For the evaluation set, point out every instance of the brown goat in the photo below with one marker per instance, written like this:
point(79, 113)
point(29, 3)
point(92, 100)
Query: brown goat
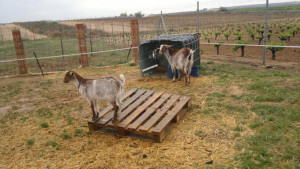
point(180, 59)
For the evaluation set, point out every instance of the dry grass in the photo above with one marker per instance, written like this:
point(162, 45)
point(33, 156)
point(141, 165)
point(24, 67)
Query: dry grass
point(193, 141)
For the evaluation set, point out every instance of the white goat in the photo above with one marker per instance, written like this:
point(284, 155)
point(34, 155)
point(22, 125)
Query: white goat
point(107, 88)
point(180, 59)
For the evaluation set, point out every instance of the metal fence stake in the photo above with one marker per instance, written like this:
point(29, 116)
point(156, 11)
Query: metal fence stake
point(265, 32)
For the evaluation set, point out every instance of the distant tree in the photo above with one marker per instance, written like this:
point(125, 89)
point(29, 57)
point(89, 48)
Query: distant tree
point(274, 49)
point(240, 45)
point(131, 15)
point(218, 46)
point(223, 9)
point(123, 15)
point(138, 14)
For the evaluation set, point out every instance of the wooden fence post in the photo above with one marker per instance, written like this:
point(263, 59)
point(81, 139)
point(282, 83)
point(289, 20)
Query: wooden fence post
point(82, 45)
point(134, 37)
point(20, 54)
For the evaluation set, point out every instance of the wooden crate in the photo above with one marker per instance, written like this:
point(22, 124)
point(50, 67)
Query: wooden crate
point(144, 112)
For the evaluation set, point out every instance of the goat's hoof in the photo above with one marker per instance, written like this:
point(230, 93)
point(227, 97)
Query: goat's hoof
point(114, 121)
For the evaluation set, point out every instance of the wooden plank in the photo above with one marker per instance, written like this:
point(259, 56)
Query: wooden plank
point(181, 112)
point(149, 112)
point(159, 114)
point(110, 107)
point(159, 137)
point(139, 110)
point(171, 114)
point(124, 105)
point(131, 108)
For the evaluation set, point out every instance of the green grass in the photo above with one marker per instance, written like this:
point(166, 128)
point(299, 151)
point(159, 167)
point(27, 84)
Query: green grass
point(30, 142)
point(44, 112)
point(44, 125)
point(10, 91)
point(65, 135)
point(78, 132)
point(275, 142)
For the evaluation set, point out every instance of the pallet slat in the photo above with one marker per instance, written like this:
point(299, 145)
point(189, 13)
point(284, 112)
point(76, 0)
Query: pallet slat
point(139, 110)
point(158, 114)
point(149, 112)
point(110, 107)
point(124, 105)
point(130, 108)
point(171, 114)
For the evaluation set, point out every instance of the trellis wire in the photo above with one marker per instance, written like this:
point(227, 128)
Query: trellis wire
point(75, 54)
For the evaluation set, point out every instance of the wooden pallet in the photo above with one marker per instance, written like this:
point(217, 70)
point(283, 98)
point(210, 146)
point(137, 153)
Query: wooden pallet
point(144, 112)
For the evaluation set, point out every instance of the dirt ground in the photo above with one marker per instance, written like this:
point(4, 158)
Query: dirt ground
point(182, 147)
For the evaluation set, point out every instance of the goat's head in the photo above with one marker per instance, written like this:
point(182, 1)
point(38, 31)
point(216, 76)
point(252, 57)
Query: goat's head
point(69, 76)
point(163, 49)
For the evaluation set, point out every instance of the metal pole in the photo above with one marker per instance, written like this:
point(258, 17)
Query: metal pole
point(161, 30)
point(91, 43)
point(163, 23)
point(265, 35)
point(158, 26)
point(62, 48)
point(37, 60)
point(198, 18)
point(123, 34)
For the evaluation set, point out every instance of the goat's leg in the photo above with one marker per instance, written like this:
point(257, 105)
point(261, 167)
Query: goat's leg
point(116, 109)
point(174, 74)
point(93, 110)
point(187, 79)
point(179, 75)
point(96, 108)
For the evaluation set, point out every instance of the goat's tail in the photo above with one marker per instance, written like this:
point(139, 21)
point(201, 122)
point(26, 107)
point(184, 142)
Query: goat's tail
point(122, 77)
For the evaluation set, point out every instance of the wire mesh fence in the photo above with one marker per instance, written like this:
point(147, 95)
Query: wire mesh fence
point(223, 31)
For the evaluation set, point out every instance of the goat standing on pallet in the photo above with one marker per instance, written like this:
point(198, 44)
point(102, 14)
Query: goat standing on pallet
point(107, 88)
point(181, 59)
